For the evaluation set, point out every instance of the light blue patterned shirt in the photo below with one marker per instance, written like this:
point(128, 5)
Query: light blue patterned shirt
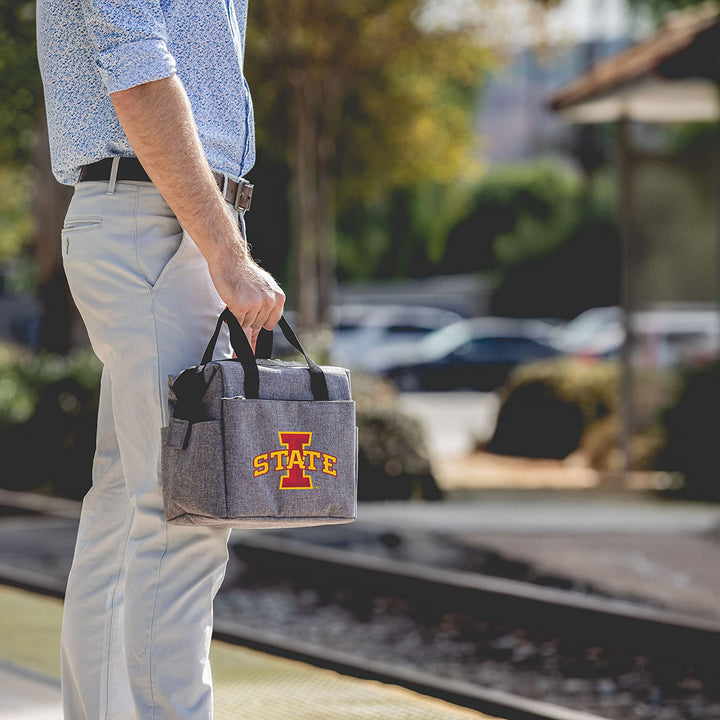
point(90, 48)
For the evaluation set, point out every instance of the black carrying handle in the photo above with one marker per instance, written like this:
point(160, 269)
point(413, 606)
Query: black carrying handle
point(264, 344)
point(245, 355)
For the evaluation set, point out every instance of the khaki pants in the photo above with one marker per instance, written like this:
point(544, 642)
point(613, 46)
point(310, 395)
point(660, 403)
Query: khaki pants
point(138, 610)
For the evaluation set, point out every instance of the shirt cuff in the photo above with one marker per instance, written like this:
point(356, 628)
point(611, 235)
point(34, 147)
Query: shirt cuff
point(135, 63)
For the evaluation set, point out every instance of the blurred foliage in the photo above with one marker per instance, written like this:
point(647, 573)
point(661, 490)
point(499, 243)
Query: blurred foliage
point(549, 236)
point(405, 92)
point(582, 271)
point(393, 461)
point(20, 103)
point(601, 446)
point(541, 206)
point(24, 377)
point(404, 233)
point(48, 419)
point(591, 385)
point(659, 8)
point(21, 88)
point(359, 99)
point(692, 136)
point(16, 227)
point(675, 228)
point(552, 408)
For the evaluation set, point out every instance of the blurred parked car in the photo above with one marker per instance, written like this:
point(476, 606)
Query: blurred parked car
point(362, 332)
point(663, 336)
point(473, 354)
point(676, 336)
point(597, 332)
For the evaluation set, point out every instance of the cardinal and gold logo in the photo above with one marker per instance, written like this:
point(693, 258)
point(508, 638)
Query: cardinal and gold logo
point(296, 461)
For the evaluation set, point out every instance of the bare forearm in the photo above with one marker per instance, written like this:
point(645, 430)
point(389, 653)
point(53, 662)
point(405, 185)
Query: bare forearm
point(158, 121)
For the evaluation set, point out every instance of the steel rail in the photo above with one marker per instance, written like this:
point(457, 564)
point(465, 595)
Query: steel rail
point(466, 590)
point(301, 558)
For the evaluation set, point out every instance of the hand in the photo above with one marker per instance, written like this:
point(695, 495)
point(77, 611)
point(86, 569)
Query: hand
point(252, 294)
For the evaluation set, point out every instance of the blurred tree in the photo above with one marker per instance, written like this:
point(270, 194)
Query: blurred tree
point(358, 97)
point(563, 257)
point(21, 89)
point(549, 240)
point(518, 212)
point(404, 233)
point(659, 8)
point(24, 144)
point(15, 218)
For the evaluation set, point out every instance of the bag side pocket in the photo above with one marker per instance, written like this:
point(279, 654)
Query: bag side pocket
point(193, 478)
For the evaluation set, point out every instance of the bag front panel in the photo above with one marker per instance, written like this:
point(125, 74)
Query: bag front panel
point(289, 458)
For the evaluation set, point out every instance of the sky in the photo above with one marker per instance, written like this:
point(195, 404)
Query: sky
point(593, 19)
point(518, 23)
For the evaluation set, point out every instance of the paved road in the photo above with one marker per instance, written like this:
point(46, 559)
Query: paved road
point(452, 420)
point(526, 512)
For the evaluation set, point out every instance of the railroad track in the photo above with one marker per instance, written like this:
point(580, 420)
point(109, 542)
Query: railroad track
point(616, 621)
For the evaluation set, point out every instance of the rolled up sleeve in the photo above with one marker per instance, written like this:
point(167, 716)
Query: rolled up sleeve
point(130, 42)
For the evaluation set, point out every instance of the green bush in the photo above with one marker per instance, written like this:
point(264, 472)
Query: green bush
point(601, 445)
point(48, 417)
point(553, 407)
point(548, 405)
point(592, 385)
point(549, 239)
point(25, 376)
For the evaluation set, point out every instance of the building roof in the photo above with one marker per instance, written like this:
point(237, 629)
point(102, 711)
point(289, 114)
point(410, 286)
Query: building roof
point(686, 46)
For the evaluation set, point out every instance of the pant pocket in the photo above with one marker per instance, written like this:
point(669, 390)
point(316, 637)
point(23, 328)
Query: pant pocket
point(159, 244)
point(75, 226)
point(81, 224)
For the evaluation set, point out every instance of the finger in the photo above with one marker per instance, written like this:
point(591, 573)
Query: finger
point(274, 317)
point(241, 318)
point(261, 318)
point(254, 320)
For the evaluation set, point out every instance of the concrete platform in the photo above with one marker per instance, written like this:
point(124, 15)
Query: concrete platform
point(27, 696)
point(627, 544)
point(248, 683)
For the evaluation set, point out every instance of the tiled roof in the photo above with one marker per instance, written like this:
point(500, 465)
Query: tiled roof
point(679, 33)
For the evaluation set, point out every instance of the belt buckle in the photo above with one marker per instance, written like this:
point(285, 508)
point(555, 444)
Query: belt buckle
point(243, 196)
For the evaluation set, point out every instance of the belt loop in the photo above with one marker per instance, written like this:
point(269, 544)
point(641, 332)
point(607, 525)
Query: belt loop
point(113, 175)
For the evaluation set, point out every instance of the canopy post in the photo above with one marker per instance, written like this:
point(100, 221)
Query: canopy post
point(717, 199)
point(625, 223)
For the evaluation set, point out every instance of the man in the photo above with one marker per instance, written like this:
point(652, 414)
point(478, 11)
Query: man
point(151, 119)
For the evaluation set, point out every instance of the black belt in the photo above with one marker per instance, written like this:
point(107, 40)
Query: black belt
point(129, 168)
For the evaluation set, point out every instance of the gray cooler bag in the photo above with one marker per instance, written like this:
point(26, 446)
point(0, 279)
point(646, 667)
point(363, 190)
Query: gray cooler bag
point(259, 442)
